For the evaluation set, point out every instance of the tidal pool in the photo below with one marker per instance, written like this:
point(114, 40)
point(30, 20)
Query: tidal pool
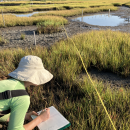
point(103, 20)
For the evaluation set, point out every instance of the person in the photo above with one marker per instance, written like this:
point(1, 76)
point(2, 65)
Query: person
point(30, 71)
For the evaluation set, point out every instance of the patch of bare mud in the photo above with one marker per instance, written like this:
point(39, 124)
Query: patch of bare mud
point(107, 78)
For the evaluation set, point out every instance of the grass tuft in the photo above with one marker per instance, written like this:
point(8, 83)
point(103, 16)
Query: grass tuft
point(22, 36)
point(3, 41)
point(48, 27)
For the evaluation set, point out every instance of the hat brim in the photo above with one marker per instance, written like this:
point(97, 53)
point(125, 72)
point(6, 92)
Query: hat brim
point(34, 76)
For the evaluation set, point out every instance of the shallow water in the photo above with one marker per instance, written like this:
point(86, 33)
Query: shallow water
point(29, 14)
point(103, 20)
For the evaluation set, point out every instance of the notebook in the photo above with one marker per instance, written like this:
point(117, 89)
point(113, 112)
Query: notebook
point(56, 121)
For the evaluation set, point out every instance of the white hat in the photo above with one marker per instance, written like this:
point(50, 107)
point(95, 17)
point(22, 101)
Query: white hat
point(31, 69)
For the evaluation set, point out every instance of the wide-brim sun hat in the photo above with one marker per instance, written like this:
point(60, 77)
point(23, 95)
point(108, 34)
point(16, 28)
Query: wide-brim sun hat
point(31, 69)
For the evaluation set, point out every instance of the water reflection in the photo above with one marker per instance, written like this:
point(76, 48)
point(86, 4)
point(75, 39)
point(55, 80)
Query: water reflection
point(103, 20)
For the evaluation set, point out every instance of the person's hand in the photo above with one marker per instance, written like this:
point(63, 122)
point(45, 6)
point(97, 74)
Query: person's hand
point(45, 114)
point(28, 115)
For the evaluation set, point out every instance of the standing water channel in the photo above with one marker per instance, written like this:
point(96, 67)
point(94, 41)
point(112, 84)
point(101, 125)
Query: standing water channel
point(28, 14)
point(103, 20)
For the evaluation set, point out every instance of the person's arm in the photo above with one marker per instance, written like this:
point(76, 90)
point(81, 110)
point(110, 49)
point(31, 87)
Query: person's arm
point(42, 117)
point(31, 125)
point(19, 107)
point(28, 115)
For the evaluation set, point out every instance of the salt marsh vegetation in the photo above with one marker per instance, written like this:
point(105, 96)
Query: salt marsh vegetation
point(12, 20)
point(75, 98)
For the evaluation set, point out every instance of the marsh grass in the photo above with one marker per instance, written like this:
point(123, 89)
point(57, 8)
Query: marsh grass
point(48, 27)
point(127, 4)
point(75, 8)
point(73, 12)
point(3, 41)
point(22, 36)
point(24, 8)
point(12, 20)
point(76, 99)
point(13, 3)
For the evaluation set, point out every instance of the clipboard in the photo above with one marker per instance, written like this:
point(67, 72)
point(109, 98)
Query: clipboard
point(56, 121)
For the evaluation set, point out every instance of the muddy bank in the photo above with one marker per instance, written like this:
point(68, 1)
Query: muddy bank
point(13, 35)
